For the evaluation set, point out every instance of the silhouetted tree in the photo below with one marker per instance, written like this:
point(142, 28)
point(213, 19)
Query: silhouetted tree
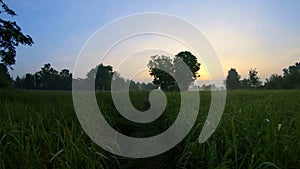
point(245, 84)
point(233, 80)
point(186, 78)
point(292, 76)
point(49, 79)
point(103, 75)
point(10, 37)
point(30, 82)
point(5, 79)
point(275, 82)
point(65, 79)
point(164, 79)
point(254, 81)
point(46, 79)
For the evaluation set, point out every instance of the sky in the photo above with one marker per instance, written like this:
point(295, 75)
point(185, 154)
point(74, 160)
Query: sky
point(245, 34)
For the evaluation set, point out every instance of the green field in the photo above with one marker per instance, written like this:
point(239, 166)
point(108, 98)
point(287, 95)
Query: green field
point(259, 129)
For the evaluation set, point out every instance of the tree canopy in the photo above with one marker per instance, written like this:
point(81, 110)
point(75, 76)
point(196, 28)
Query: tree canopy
point(233, 79)
point(162, 78)
point(191, 61)
point(172, 68)
point(46, 79)
point(5, 80)
point(254, 81)
point(10, 37)
point(289, 80)
point(103, 75)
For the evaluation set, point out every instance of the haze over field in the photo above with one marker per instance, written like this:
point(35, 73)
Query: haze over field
point(257, 34)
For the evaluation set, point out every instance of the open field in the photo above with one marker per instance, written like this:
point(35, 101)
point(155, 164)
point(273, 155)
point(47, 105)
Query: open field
point(259, 129)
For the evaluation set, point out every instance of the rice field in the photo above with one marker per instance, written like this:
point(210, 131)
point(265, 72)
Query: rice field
point(258, 129)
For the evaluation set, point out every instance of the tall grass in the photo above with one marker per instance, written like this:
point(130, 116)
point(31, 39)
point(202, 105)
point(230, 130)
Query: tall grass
point(259, 129)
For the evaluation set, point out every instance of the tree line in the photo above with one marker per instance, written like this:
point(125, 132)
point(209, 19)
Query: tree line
point(290, 79)
point(48, 78)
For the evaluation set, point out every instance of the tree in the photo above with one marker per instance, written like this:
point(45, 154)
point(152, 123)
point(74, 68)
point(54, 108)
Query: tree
point(10, 37)
point(254, 81)
point(245, 84)
point(65, 80)
point(46, 79)
point(275, 82)
point(289, 80)
point(103, 76)
point(233, 80)
point(49, 78)
point(5, 79)
point(292, 76)
point(29, 81)
point(191, 61)
point(164, 79)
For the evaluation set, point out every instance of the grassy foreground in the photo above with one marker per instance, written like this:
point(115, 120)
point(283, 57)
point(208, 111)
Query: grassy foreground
point(259, 129)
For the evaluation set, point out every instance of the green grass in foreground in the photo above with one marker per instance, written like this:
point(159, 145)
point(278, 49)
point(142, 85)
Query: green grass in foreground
point(259, 129)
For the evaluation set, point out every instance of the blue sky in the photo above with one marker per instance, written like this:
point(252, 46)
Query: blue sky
point(246, 34)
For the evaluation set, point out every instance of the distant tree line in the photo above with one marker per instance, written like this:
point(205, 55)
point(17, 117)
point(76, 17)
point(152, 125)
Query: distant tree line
point(289, 80)
point(46, 79)
point(49, 78)
point(233, 80)
point(5, 79)
point(104, 76)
